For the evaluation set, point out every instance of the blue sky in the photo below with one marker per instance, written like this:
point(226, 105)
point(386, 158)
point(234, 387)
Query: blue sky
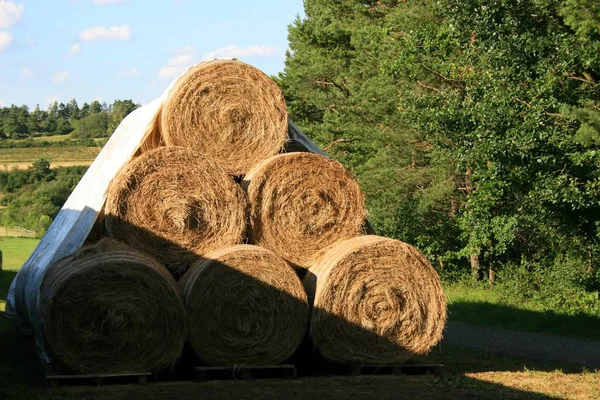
point(117, 49)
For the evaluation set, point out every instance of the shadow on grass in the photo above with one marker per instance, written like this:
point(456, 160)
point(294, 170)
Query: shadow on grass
point(493, 329)
point(503, 316)
point(19, 368)
point(6, 277)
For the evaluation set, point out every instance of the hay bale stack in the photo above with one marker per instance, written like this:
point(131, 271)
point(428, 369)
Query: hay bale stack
point(176, 205)
point(301, 203)
point(108, 308)
point(245, 305)
point(375, 300)
point(227, 110)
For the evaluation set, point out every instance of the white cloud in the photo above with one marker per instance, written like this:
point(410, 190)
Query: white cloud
point(131, 72)
point(239, 51)
point(5, 40)
point(28, 72)
point(104, 2)
point(1, 102)
point(187, 49)
point(75, 49)
point(61, 77)
point(52, 98)
point(10, 13)
point(171, 72)
point(106, 33)
point(182, 59)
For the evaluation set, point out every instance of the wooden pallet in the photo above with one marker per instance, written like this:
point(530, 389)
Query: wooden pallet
point(57, 374)
point(244, 372)
point(56, 380)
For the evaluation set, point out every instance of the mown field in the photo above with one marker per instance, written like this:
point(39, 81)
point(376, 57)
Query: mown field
point(58, 156)
point(55, 138)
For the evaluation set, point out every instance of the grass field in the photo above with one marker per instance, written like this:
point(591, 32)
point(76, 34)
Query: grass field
point(15, 251)
point(52, 154)
point(57, 138)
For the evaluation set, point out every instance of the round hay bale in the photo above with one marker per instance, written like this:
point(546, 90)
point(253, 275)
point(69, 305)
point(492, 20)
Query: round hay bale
point(245, 305)
point(301, 203)
point(376, 301)
point(176, 205)
point(227, 110)
point(108, 308)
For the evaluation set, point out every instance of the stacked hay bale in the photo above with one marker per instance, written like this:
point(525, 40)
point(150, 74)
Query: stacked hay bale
point(363, 299)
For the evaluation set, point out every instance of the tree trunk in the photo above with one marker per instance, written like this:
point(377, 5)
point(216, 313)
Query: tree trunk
point(491, 274)
point(475, 267)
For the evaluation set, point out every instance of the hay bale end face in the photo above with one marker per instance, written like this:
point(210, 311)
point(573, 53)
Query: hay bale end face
point(301, 203)
point(108, 309)
point(228, 111)
point(375, 300)
point(245, 305)
point(176, 205)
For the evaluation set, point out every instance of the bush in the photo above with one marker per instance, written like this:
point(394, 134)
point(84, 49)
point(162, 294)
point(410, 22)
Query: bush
point(568, 286)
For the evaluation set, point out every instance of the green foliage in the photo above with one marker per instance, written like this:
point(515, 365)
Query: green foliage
point(337, 90)
point(583, 16)
point(93, 126)
point(508, 89)
point(36, 194)
point(118, 111)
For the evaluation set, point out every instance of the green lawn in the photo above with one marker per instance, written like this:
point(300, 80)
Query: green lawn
point(483, 306)
point(15, 251)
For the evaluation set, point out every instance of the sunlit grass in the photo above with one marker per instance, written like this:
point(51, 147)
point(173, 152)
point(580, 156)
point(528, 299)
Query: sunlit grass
point(15, 251)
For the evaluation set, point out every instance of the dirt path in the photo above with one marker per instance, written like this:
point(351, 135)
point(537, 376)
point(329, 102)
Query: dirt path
point(523, 344)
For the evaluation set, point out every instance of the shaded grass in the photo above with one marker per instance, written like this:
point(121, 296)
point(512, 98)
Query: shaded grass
point(479, 305)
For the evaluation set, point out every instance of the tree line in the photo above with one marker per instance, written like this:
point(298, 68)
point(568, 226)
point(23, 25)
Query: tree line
point(93, 120)
point(474, 128)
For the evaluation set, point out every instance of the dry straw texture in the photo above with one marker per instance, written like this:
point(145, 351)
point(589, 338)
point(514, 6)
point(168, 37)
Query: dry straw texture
point(229, 111)
point(108, 308)
point(301, 203)
point(176, 205)
point(245, 305)
point(376, 300)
